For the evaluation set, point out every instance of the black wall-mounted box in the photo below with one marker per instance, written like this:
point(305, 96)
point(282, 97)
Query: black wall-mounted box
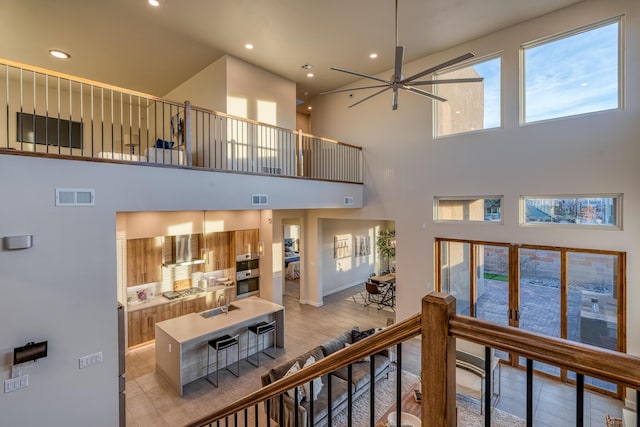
point(31, 351)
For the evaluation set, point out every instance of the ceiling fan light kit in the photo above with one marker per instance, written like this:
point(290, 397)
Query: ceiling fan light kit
point(398, 81)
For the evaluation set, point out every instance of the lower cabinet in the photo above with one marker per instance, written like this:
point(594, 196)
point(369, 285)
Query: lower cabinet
point(194, 305)
point(142, 323)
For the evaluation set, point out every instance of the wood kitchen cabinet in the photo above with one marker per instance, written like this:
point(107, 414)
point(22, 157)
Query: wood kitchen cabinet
point(169, 311)
point(219, 254)
point(246, 242)
point(194, 305)
point(142, 325)
point(144, 260)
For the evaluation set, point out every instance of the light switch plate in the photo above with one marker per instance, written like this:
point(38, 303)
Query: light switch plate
point(90, 359)
point(16, 383)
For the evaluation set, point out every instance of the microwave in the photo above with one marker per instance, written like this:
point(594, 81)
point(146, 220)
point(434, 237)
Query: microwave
point(250, 264)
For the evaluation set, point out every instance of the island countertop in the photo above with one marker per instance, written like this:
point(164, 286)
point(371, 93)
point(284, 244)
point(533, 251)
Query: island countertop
point(182, 354)
point(193, 326)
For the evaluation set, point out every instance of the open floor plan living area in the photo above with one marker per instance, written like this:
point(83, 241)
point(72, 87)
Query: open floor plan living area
point(302, 213)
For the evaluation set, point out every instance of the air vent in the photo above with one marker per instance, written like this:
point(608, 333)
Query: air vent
point(75, 197)
point(348, 201)
point(272, 170)
point(259, 199)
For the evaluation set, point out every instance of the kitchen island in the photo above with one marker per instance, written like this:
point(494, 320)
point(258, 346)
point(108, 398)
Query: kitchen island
point(182, 342)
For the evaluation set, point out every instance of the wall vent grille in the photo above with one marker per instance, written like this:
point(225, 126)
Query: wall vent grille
point(259, 199)
point(272, 170)
point(75, 197)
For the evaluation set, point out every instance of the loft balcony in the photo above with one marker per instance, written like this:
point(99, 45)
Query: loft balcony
point(55, 115)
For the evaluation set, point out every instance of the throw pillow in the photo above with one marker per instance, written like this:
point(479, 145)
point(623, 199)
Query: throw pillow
point(364, 359)
point(292, 370)
point(317, 382)
point(357, 335)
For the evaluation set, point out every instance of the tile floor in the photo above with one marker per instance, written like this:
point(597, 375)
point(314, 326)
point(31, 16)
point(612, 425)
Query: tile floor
point(150, 401)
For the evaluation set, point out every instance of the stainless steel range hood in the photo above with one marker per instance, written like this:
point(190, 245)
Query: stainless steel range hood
point(181, 250)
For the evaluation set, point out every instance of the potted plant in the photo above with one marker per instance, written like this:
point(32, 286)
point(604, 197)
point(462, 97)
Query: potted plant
point(386, 244)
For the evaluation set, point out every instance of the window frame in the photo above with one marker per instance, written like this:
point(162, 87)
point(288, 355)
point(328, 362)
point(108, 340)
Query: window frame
point(465, 64)
point(438, 220)
point(563, 35)
point(617, 226)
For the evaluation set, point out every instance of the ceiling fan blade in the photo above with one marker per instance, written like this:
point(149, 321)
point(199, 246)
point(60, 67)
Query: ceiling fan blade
point(352, 89)
point(424, 93)
point(439, 67)
point(370, 96)
point(395, 99)
point(444, 81)
point(355, 73)
point(397, 71)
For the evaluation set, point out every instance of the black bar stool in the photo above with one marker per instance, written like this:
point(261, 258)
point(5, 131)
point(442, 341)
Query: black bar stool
point(224, 342)
point(260, 330)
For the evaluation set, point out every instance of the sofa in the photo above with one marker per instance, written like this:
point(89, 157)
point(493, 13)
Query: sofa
point(360, 381)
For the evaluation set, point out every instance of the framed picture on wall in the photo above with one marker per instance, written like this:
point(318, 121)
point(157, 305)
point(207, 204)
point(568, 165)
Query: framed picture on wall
point(363, 245)
point(342, 246)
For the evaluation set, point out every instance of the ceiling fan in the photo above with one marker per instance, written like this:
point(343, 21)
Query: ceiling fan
point(398, 81)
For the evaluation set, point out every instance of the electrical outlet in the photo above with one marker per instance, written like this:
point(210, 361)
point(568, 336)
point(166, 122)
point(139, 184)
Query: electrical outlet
point(90, 359)
point(16, 383)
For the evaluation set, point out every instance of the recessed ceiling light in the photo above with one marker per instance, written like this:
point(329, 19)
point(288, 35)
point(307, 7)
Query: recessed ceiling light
point(307, 66)
point(59, 54)
point(373, 55)
point(309, 107)
point(309, 74)
point(248, 46)
point(154, 3)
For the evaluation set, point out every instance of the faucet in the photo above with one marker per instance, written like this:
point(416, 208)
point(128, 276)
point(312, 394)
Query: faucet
point(224, 304)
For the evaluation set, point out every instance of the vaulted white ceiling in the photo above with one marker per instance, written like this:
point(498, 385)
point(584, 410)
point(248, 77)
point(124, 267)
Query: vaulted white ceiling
point(130, 44)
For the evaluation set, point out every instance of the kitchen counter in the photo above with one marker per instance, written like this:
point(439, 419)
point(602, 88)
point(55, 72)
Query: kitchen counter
point(159, 299)
point(182, 342)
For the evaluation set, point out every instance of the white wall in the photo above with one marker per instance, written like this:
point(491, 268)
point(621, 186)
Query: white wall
point(406, 167)
point(342, 273)
point(64, 289)
point(207, 89)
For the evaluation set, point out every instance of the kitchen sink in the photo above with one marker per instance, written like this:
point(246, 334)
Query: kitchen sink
point(218, 310)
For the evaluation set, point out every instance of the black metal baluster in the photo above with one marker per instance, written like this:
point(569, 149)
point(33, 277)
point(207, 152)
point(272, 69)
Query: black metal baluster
point(268, 413)
point(295, 406)
point(529, 393)
point(349, 394)
point(246, 417)
point(637, 408)
point(281, 410)
point(329, 403)
point(256, 413)
point(579, 400)
point(487, 386)
point(310, 399)
point(372, 391)
point(398, 383)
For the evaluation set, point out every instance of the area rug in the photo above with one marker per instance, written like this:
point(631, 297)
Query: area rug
point(468, 408)
point(360, 298)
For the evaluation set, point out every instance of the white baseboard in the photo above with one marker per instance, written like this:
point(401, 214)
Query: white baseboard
point(342, 288)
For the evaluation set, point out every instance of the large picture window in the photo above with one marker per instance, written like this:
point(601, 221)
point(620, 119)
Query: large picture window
point(469, 106)
point(575, 73)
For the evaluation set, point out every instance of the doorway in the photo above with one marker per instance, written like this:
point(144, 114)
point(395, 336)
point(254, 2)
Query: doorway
point(570, 293)
point(292, 261)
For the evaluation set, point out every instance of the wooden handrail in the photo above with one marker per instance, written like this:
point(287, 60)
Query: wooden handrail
point(382, 340)
point(582, 358)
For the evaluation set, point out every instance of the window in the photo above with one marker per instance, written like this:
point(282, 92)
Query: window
point(574, 73)
point(588, 211)
point(469, 106)
point(473, 208)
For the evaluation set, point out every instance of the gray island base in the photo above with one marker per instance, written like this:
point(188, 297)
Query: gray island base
point(181, 342)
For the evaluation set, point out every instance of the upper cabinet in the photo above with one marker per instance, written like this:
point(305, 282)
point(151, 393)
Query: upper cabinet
point(246, 243)
point(144, 260)
point(218, 250)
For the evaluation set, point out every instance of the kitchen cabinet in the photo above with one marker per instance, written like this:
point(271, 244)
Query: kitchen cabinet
point(170, 310)
point(144, 260)
point(142, 325)
point(246, 242)
point(194, 305)
point(218, 250)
